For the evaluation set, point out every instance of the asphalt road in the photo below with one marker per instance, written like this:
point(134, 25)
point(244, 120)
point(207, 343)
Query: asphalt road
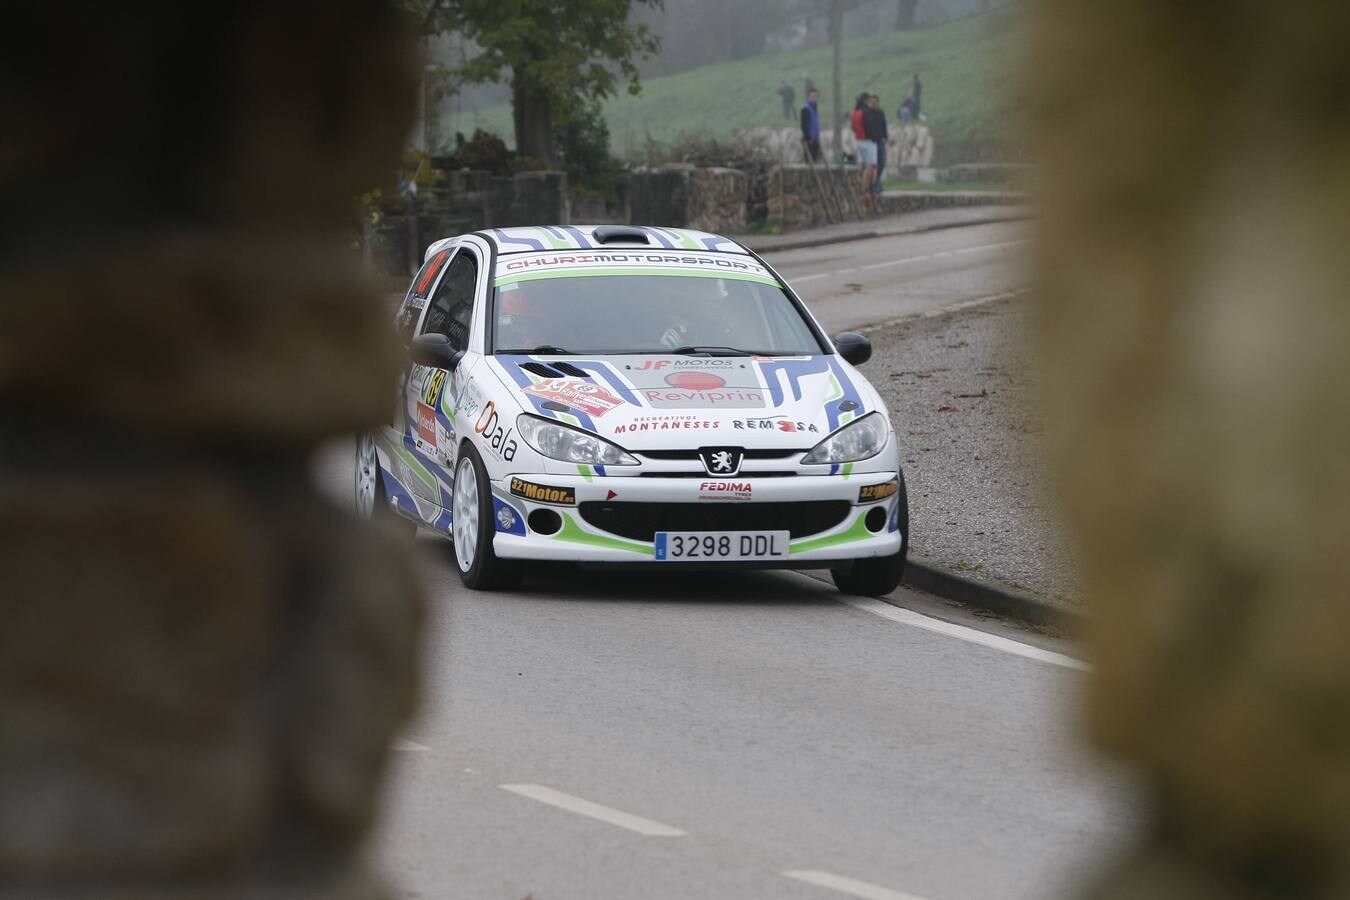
point(747, 735)
point(866, 283)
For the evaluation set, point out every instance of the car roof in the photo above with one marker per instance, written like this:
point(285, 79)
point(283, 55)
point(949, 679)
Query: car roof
point(535, 238)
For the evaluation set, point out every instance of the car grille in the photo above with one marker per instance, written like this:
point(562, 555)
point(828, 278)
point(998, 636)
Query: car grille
point(641, 521)
point(699, 474)
point(693, 454)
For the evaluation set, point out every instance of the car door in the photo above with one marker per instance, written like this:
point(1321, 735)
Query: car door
point(431, 390)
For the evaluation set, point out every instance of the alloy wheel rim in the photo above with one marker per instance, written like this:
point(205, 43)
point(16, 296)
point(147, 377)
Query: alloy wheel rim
point(465, 521)
point(367, 470)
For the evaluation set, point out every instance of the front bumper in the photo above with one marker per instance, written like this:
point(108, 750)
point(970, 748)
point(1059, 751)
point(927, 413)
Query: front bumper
point(612, 519)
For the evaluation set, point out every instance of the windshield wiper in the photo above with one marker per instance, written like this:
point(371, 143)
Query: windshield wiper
point(714, 350)
point(538, 351)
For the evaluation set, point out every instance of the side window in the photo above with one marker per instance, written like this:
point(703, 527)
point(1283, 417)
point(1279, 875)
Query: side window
point(416, 298)
point(451, 309)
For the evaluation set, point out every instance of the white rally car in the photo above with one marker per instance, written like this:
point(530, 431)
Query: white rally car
point(625, 394)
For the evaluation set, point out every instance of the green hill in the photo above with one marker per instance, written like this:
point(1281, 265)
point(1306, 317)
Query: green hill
point(967, 68)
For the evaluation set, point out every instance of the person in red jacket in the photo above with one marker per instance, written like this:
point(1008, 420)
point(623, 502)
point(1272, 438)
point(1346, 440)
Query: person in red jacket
point(867, 149)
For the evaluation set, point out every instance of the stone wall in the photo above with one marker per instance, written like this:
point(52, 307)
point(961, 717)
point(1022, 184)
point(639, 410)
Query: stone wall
point(802, 196)
point(203, 660)
point(685, 196)
point(476, 200)
point(1193, 327)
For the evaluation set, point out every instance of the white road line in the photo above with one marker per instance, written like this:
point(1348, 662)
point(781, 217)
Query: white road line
point(904, 261)
point(850, 886)
point(403, 745)
point(961, 632)
point(593, 810)
point(944, 310)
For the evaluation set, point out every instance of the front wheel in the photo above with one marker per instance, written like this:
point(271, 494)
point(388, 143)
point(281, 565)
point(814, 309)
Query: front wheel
point(472, 528)
point(371, 500)
point(878, 575)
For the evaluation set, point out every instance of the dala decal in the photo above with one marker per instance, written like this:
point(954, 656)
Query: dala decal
point(494, 435)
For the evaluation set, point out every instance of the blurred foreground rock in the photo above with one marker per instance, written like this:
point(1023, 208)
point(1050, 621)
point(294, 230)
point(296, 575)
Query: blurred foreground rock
point(202, 662)
point(1196, 343)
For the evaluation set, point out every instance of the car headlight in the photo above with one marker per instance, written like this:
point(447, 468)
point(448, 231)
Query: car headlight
point(858, 440)
point(565, 444)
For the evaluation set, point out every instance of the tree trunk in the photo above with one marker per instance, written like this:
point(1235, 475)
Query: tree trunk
point(532, 112)
point(836, 72)
point(904, 14)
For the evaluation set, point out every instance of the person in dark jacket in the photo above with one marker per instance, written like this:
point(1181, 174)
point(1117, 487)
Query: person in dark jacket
point(874, 136)
point(874, 129)
point(811, 125)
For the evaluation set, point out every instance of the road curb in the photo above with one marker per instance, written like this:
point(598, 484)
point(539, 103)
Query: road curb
point(805, 243)
point(1006, 601)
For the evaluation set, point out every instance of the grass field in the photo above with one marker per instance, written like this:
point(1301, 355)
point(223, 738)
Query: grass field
point(967, 68)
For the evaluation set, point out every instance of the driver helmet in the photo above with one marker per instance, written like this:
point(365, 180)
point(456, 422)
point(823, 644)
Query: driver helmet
point(521, 318)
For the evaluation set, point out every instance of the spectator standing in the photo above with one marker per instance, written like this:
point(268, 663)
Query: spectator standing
point(789, 97)
point(811, 125)
point(874, 132)
point(874, 104)
point(916, 92)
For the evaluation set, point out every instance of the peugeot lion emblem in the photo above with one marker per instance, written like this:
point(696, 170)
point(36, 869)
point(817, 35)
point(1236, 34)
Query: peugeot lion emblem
point(721, 461)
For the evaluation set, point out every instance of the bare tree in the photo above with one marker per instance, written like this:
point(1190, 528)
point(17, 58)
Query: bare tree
point(904, 13)
point(836, 33)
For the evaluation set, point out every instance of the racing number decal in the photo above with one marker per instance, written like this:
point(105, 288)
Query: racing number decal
point(431, 390)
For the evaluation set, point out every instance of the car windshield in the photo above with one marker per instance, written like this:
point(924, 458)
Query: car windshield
point(648, 313)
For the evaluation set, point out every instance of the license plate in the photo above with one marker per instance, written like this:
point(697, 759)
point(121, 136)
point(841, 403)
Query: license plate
point(717, 546)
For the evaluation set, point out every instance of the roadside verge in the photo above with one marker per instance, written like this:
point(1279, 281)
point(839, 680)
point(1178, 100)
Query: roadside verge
point(1002, 600)
point(888, 226)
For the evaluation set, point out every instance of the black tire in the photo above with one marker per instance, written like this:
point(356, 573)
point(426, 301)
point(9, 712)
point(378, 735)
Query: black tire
point(876, 576)
point(375, 506)
point(478, 566)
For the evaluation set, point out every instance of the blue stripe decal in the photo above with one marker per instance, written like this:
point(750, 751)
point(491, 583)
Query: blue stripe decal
point(594, 366)
point(656, 233)
point(796, 369)
point(582, 242)
point(712, 242)
point(503, 237)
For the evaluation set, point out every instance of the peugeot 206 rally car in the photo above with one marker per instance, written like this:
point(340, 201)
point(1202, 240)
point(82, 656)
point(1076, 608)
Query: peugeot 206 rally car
point(622, 394)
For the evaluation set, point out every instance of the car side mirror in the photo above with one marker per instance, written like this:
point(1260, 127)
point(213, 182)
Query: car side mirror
point(853, 347)
point(434, 350)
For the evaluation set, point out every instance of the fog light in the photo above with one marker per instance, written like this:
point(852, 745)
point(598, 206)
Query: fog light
point(545, 521)
point(506, 518)
point(876, 519)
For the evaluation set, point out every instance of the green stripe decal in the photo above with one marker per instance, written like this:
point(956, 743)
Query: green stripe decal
point(635, 270)
point(572, 532)
point(857, 532)
point(417, 468)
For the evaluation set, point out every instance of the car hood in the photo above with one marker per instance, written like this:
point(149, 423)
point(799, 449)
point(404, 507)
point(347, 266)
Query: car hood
point(654, 402)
